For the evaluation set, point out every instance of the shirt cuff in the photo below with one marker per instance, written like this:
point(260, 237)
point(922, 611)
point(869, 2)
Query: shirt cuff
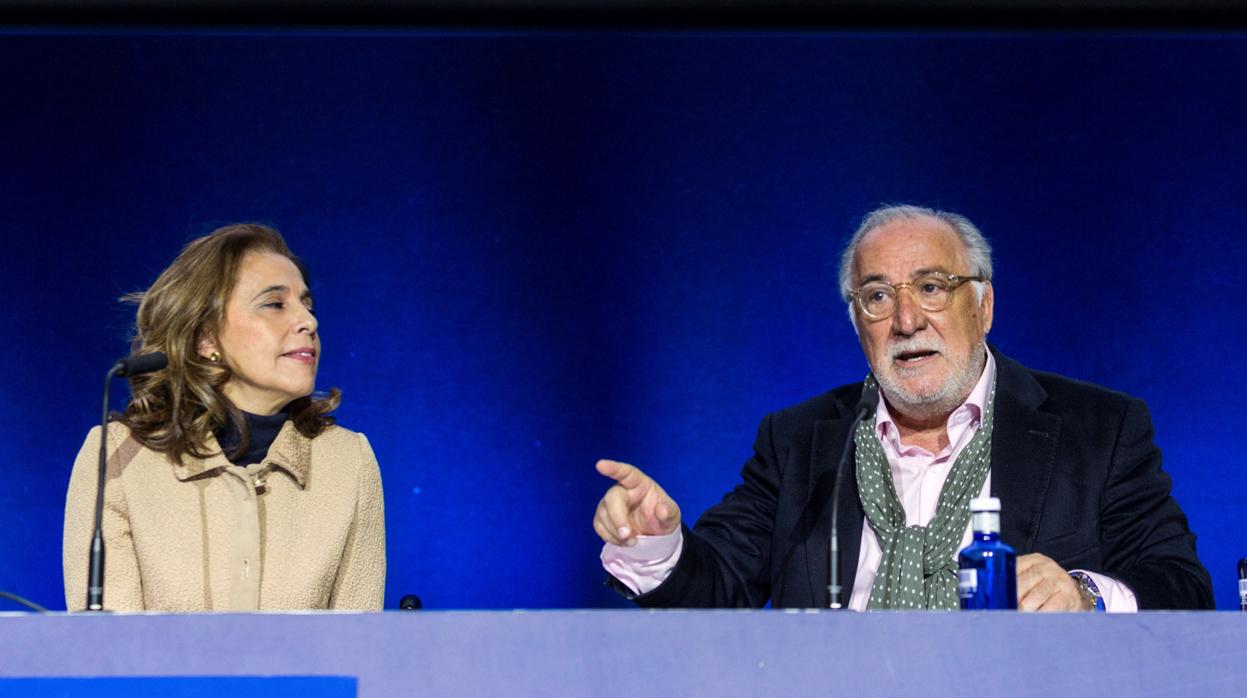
point(1118, 598)
point(642, 567)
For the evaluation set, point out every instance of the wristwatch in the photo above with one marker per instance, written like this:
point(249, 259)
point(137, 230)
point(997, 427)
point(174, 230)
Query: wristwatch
point(1090, 592)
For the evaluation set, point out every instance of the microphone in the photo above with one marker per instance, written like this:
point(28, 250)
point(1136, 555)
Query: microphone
point(866, 405)
point(140, 363)
point(128, 366)
point(1242, 584)
point(410, 602)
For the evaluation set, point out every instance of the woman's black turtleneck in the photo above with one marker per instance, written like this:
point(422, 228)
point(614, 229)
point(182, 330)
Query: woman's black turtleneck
point(262, 430)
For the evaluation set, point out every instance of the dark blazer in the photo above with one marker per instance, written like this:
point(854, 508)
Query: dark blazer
point(1074, 466)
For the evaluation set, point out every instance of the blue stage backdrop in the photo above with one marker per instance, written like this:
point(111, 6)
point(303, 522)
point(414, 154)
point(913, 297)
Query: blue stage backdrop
point(530, 251)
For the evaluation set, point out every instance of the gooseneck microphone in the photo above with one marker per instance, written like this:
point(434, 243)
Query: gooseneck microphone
point(140, 363)
point(129, 366)
point(865, 407)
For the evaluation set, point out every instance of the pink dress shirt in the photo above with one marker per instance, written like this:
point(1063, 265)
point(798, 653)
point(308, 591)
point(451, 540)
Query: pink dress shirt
point(919, 477)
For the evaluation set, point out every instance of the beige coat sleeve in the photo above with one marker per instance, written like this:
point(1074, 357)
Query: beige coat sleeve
point(122, 588)
point(360, 584)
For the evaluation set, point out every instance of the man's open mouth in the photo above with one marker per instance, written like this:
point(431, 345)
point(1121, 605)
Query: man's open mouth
point(914, 356)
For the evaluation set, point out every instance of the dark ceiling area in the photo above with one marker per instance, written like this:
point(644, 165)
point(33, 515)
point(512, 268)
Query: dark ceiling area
point(640, 14)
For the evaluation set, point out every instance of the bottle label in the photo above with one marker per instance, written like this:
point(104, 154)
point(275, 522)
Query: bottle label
point(986, 522)
point(967, 582)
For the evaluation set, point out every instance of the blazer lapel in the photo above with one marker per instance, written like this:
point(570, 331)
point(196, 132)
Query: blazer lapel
point(851, 515)
point(1023, 452)
point(830, 437)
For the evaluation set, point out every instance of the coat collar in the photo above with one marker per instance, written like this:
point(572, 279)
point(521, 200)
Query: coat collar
point(291, 452)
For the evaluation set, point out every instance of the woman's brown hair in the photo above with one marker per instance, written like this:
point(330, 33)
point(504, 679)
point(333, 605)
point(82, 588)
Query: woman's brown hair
point(174, 410)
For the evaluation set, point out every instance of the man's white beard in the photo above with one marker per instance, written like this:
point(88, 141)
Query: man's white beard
point(943, 400)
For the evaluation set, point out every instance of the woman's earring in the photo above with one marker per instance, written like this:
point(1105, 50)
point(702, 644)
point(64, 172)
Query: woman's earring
point(215, 357)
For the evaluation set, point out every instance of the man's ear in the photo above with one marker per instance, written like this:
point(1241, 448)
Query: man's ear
point(987, 307)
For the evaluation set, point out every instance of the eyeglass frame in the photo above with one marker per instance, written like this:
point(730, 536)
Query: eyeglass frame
point(955, 281)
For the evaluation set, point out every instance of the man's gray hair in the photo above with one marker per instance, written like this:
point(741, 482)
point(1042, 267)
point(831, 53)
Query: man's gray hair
point(978, 250)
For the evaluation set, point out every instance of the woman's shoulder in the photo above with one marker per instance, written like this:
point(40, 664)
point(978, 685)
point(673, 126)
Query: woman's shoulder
point(336, 433)
point(118, 433)
point(339, 439)
point(345, 453)
point(122, 449)
point(118, 430)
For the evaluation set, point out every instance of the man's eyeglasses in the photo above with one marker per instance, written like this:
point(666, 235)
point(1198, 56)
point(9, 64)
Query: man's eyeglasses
point(931, 292)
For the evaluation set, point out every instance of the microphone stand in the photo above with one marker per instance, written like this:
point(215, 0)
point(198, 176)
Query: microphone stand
point(129, 366)
point(866, 405)
point(95, 575)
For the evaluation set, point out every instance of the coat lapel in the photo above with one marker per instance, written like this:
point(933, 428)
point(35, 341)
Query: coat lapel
point(830, 436)
point(1023, 452)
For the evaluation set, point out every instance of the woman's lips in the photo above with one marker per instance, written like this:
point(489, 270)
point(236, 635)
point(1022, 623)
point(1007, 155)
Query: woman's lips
point(306, 355)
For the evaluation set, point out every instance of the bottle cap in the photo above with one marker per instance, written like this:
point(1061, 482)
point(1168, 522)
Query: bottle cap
point(985, 504)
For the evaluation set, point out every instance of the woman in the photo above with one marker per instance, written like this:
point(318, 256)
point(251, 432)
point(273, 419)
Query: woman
point(228, 486)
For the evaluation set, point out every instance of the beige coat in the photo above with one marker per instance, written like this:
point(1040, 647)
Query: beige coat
point(304, 529)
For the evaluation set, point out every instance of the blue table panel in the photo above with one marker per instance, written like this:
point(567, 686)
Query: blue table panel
point(181, 687)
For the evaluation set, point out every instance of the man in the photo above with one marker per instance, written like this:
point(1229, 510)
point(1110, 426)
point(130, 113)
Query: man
point(1084, 500)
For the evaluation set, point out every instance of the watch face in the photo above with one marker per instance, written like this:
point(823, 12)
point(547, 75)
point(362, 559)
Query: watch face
point(1089, 590)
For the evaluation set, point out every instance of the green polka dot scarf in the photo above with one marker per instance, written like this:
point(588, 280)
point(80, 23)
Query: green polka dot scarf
point(919, 570)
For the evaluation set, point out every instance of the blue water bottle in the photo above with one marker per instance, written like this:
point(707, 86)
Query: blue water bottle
point(987, 578)
point(1242, 584)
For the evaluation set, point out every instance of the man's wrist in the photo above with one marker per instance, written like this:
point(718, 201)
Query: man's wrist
point(642, 567)
point(1089, 591)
